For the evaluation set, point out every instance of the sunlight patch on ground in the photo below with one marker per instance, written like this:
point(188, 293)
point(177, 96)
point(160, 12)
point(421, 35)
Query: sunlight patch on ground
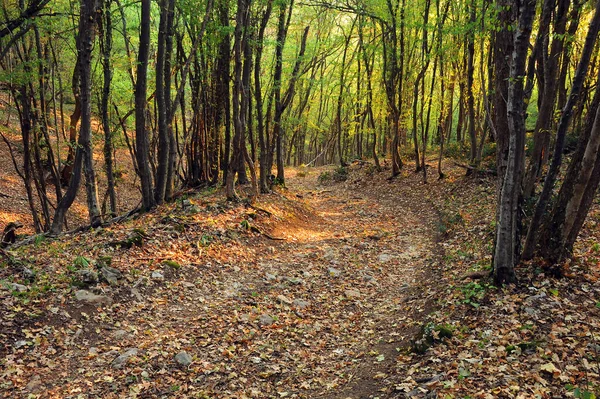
point(7, 217)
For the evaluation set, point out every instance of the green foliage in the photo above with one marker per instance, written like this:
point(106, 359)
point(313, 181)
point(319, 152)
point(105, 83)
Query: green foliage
point(474, 292)
point(449, 220)
point(488, 151)
point(457, 150)
point(324, 177)
point(339, 174)
point(80, 262)
point(172, 264)
point(429, 334)
point(580, 393)
point(205, 240)
point(103, 261)
point(39, 239)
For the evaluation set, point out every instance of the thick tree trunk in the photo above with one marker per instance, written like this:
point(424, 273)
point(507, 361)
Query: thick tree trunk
point(83, 154)
point(239, 110)
point(141, 134)
point(25, 116)
point(263, 141)
point(503, 48)
point(170, 104)
point(85, 133)
point(161, 106)
point(507, 232)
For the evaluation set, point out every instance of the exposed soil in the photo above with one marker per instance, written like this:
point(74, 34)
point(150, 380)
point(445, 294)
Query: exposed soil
point(356, 259)
point(316, 292)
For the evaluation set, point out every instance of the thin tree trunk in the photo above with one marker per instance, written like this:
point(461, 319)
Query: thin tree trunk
point(470, 79)
point(548, 101)
point(106, 47)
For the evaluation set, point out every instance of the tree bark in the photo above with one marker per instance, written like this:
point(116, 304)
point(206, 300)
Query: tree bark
point(507, 232)
point(84, 153)
point(563, 124)
point(470, 79)
point(263, 134)
point(141, 134)
point(106, 48)
point(550, 68)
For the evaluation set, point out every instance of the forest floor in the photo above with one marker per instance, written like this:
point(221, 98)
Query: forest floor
point(13, 196)
point(361, 288)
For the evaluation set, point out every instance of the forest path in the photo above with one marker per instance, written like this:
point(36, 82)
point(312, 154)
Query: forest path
point(319, 314)
point(383, 237)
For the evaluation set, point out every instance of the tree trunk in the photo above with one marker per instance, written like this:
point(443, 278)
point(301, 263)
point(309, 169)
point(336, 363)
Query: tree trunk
point(67, 170)
point(507, 232)
point(238, 102)
point(502, 52)
point(262, 133)
point(563, 124)
point(141, 134)
point(161, 106)
point(470, 78)
point(83, 154)
point(340, 98)
point(106, 48)
point(545, 117)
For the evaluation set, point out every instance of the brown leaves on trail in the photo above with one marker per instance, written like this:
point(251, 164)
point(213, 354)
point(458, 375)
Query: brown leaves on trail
point(206, 306)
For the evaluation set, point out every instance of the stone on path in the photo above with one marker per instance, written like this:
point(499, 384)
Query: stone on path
point(266, 320)
point(88, 277)
point(17, 287)
point(19, 344)
point(35, 384)
point(352, 294)
point(156, 275)
point(334, 272)
point(301, 304)
point(383, 258)
point(284, 300)
point(120, 334)
point(183, 358)
point(110, 275)
point(122, 359)
point(90, 297)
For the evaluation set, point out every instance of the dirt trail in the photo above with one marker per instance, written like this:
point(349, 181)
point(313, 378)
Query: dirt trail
point(388, 234)
point(323, 313)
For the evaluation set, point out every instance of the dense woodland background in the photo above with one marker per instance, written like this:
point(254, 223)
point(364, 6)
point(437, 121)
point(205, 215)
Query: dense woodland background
point(204, 93)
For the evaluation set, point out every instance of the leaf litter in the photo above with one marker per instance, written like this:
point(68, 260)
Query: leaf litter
point(209, 307)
